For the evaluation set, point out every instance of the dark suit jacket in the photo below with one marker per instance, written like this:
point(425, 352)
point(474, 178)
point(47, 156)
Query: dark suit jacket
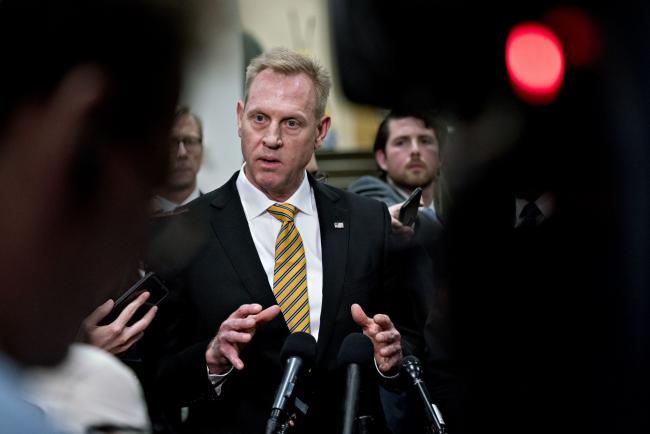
point(223, 271)
point(428, 229)
point(371, 186)
point(418, 262)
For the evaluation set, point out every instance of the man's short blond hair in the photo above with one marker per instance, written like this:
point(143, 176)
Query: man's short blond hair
point(289, 62)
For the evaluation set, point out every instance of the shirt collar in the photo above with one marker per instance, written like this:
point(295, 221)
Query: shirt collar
point(166, 205)
point(255, 203)
point(545, 203)
point(193, 195)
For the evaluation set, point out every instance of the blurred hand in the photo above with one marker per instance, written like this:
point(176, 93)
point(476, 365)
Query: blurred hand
point(397, 226)
point(234, 334)
point(117, 337)
point(385, 338)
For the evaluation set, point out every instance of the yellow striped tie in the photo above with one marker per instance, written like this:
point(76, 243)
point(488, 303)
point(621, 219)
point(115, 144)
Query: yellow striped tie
point(290, 271)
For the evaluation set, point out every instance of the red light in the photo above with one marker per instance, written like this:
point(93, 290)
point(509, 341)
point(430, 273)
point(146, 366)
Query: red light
point(579, 35)
point(535, 62)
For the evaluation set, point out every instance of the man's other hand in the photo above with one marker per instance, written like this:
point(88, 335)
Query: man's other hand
point(385, 338)
point(234, 334)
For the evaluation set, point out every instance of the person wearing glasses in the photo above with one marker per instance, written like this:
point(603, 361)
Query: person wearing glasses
point(186, 156)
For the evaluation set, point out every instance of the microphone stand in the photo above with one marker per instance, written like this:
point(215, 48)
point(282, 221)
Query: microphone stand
point(351, 396)
point(436, 424)
point(276, 423)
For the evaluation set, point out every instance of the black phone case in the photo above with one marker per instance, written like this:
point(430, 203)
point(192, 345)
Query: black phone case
point(150, 282)
point(409, 209)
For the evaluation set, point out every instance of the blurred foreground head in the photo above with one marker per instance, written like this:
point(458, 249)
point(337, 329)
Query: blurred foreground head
point(88, 94)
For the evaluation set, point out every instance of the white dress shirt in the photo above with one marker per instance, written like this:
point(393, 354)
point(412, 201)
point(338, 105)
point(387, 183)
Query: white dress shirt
point(165, 205)
point(91, 387)
point(265, 228)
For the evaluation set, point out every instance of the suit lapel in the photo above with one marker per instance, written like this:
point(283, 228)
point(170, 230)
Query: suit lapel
point(231, 228)
point(334, 226)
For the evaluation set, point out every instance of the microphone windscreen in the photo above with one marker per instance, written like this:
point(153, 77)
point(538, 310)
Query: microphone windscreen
point(409, 361)
point(356, 348)
point(412, 367)
point(301, 345)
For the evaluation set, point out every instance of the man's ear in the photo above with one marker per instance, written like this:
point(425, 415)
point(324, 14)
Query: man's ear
point(323, 128)
point(69, 109)
point(240, 116)
point(83, 89)
point(66, 120)
point(380, 158)
point(40, 144)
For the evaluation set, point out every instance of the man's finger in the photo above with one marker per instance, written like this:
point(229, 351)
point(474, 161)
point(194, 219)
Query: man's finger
point(239, 324)
point(387, 336)
point(130, 309)
point(235, 337)
point(359, 316)
point(371, 331)
point(393, 210)
point(267, 314)
point(233, 357)
point(390, 350)
point(98, 314)
point(142, 324)
point(131, 341)
point(399, 229)
point(245, 310)
point(383, 321)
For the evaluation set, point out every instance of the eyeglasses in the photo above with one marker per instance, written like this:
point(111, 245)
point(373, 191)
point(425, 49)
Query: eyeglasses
point(190, 143)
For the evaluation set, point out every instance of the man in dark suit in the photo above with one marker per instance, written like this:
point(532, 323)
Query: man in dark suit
point(186, 151)
point(407, 150)
point(234, 242)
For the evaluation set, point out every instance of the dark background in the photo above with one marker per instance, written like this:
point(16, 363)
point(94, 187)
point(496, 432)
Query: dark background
point(550, 329)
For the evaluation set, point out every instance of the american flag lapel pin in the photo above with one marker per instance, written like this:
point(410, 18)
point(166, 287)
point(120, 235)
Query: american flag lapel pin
point(338, 225)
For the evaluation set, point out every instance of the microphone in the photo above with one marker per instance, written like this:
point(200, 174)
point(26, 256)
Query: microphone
point(298, 353)
point(412, 368)
point(356, 350)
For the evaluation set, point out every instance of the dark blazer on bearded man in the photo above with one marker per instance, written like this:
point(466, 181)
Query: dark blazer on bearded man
point(414, 258)
point(208, 258)
point(428, 227)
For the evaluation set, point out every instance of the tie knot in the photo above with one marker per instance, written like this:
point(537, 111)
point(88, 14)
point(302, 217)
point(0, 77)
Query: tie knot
point(529, 214)
point(283, 211)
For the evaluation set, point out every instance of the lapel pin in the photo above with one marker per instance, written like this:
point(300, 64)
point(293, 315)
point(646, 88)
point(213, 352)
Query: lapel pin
point(338, 225)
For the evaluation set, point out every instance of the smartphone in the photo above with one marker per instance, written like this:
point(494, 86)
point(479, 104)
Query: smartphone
point(409, 209)
point(157, 293)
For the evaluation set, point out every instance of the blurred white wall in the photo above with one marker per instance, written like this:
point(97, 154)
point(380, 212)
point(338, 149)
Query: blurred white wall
point(303, 25)
point(213, 86)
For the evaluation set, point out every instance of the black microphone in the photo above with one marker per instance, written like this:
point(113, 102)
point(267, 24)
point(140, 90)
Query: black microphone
point(412, 368)
point(298, 353)
point(356, 350)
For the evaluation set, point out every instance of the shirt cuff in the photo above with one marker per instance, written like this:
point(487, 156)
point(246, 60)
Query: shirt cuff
point(217, 380)
point(388, 377)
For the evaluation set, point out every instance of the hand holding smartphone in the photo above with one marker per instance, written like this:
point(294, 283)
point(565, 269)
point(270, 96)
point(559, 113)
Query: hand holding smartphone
point(151, 283)
point(409, 210)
